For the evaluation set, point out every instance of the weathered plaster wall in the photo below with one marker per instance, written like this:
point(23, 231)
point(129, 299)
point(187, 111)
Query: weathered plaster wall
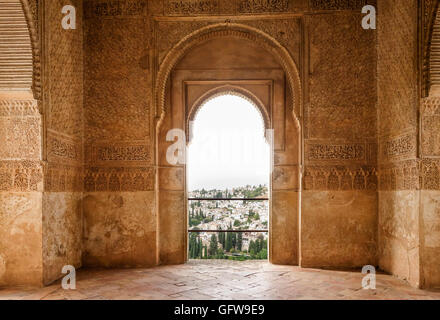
point(120, 229)
point(399, 195)
point(21, 186)
point(339, 201)
point(119, 206)
point(430, 191)
point(63, 173)
point(430, 234)
point(93, 199)
point(21, 171)
point(339, 119)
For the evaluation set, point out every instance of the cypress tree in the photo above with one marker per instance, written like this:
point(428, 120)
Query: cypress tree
point(239, 241)
point(234, 240)
point(228, 242)
point(213, 245)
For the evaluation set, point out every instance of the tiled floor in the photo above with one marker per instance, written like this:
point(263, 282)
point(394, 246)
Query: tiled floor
point(219, 279)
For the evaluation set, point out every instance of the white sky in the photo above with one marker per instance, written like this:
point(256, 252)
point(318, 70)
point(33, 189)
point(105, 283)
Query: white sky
point(228, 148)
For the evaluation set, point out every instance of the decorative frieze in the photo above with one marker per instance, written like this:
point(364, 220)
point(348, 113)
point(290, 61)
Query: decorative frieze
point(339, 178)
point(332, 152)
point(403, 175)
point(337, 4)
point(19, 108)
point(430, 174)
point(430, 106)
point(430, 114)
point(114, 8)
point(21, 176)
point(185, 7)
point(411, 175)
point(127, 153)
point(261, 6)
point(63, 148)
point(123, 153)
point(63, 178)
point(399, 147)
point(119, 179)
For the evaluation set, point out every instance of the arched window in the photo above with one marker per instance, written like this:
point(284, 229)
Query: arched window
point(228, 158)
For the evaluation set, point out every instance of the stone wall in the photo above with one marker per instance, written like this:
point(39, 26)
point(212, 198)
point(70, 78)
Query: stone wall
point(21, 171)
point(119, 210)
point(339, 201)
point(430, 192)
point(103, 196)
point(63, 141)
point(21, 187)
point(120, 68)
point(398, 103)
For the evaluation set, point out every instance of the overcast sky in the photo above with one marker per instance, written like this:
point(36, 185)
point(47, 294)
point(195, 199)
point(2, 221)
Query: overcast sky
point(228, 148)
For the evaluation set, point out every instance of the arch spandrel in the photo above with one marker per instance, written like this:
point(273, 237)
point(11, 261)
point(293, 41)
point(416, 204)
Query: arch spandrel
point(229, 30)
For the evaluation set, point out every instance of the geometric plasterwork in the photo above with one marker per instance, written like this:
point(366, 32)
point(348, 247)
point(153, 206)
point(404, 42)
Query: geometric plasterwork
point(430, 127)
point(338, 4)
point(21, 176)
point(340, 178)
point(122, 179)
point(323, 152)
point(401, 147)
point(235, 30)
point(128, 153)
point(413, 174)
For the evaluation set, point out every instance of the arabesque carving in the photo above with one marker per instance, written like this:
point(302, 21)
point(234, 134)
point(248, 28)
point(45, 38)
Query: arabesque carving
point(119, 179)
point(258, 6)
point(186, 7)
point(21, 176)
point(229, 30)
point(340, 178)
point(337, 4)
point(114, 8)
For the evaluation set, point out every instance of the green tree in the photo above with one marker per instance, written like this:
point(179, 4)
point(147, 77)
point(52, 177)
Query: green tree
point(253, 249)
point(259, 243)
point(262, 254)
point(222, 238)
point(239, 241)
point(228, 242)
point(234, 240)
point(213, 246)
point(195, 246)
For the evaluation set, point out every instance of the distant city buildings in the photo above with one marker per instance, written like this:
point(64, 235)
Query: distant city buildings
point(230, 214)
